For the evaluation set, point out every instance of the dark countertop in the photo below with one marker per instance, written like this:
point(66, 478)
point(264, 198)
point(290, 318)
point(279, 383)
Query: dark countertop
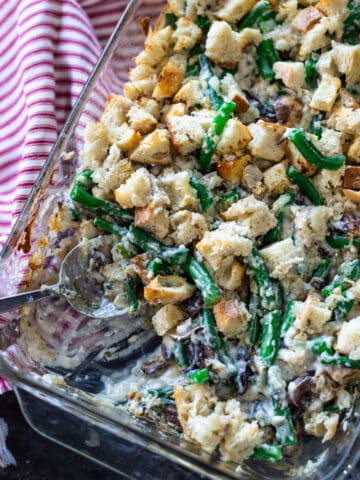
point(40, 459)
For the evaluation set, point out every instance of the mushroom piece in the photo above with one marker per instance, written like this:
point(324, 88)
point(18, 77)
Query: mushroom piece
point(352, 177)
point(350, 222)
point(300, 391)
point(288, 110)
point(192, 305)
point(153, 366)
point(243, 358)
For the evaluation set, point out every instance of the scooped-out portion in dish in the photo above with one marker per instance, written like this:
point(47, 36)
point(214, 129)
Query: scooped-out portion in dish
point(224, 187)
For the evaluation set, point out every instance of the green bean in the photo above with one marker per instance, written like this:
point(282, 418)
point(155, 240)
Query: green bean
point(337, 241)
point(351, 25)
point(84, 179)
point(312, 154)
point(207, 73)
point(75, 214)
point(211, 138)
point(253, 16)
point(207, 320)
point(204, 23)
point(229, 198)
point(266, 57)
point(198, 376)
point(226, 357)
point(267, 22)
point(348, 272)
point(203, 280)
point(344, 306)
point(131, 295)
point(306, 186)
point(273, 453)
point(162, 392)
point(315, 125)
point(275, 233)
point(173, 255)
point(193, 67)
point(203, 195)
point(321, 345)
point(270, 340)
point(255, 326)
point(289, 318)
point(311, 74)
point(158, 266)
point(282, 202)
point(262, 279)
point(110, 227)
point(180, 355)
point(331, 408)
point(125, 252)
point(170, 20)
point(285, 431)
point(321, 271)
point(356, 242)
point(340, 361)
point(79, 195)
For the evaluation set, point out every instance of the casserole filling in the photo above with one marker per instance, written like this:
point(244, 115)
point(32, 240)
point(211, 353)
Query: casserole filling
point(224, 190)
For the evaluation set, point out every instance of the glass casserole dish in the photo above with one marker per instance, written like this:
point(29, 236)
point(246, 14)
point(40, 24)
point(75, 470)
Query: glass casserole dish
point(96, 427)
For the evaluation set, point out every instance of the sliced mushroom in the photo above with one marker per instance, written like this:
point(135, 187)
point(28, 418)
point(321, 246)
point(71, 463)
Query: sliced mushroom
point(243, 358)
point(352, 177)
point(349, 223)
point(288, 110)
point(193, 305)
point(168, 289)
point(153, 366)
point(300, 391)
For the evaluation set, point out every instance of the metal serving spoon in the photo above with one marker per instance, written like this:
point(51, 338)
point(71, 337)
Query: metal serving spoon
point(75, 284)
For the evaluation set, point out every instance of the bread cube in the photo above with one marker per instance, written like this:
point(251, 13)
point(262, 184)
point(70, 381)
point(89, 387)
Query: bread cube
point(353, 195)
point(345, 120)
point(141, 120)
point(230, 277)
point(233, 10)
point(136, 191)
point(187, 134)
point(186, 34)
point(167, 318)
point(134, 90)
point(234, 138)
point(291, 73)
point(353, 153)
point(352, 177)
point(348, 340)
point(157, 47)
point(168, 289)
point(190, 93)
point(177, 187)
point(96, 144)
point(275, 178)
point(153, 149)
point(171, 77)
point(316, 38)
point(306, 18)
point(232, 317)
point(326, 93)
point(321, 424)
point(280, 257)
point(153, 218)
point(125, 137)
point(233, 170)
point(312, 315)
point(347, 60)
point(266, 140)
point(187, 226)
point(115, 111)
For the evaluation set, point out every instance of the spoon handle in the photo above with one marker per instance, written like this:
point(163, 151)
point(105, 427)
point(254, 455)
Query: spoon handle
point(17, 301)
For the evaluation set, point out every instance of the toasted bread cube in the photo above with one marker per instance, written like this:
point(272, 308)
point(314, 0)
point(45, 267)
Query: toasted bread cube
point(168, 289)
point(233, 170)
point(157, 47)
point(253, 216)
point(275, 178)
point(186, 132)
point(190, 93)
point(234, 138)
point(326, 93)
point(332, 8)
point(281, 257)
point(140, 263)
point(150, 105)
point(353, 195)
point(153, 149)
point(220, 246)
point(136, 191)
point(345, 120)
point(167, 318)
point(178, 189)
point(134, 90)
point(298, 161)
point(171, 77)
point(353, 153)
point(331, 142)
point(186, 34)
point(124, 137)
point(317, 37)
point(321, 424)
point(177, 6)
point(188, 226)
point(233, 10)
point(231, 91)
point(291, 73)
point(141, 120)
point(142, 72)
point(113, 172)
point(231, 317)
point(347, 60)
point(306, 18)
point(230, 277)
point(352, 177)
point(348, 341)
point(266, 140)
point(311, 315)
point(153, 218)
point(96, 144)
point(224, 46)
point(115, 111)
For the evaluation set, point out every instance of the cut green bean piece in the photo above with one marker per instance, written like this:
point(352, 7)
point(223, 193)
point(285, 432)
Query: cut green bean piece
point(193, 66)
point(285, 431)
point(204, 197)
point(337, 241)
point(344, 306)
point(226, 358)
point(206, 72)
point(163, 392)
point(84, 179)
point(170, 20)
point(285, 200)
point(207, 320)
point(262, 279)
point(270, 340)
point(321, 345)
point(229, 198)
point(315, 125)
point(266, 57)
point(356, 242)
point(198, 376)
point(212, 136)
point(180, 355)
point(98, 205)
point(322, 270)
point(273, 453)
point(110, 227)
point(312, 154)
point(289, 318)
point(352, 25)
point(306, 186)
point(267, 22)
point(255, 325)
point(203, 280)
point(253, 16)
point(204, 23)
point(311, 73)
point(348, 273)
point(339, 361)
point(131, 295)
point(159, 267)
point(275, 233)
